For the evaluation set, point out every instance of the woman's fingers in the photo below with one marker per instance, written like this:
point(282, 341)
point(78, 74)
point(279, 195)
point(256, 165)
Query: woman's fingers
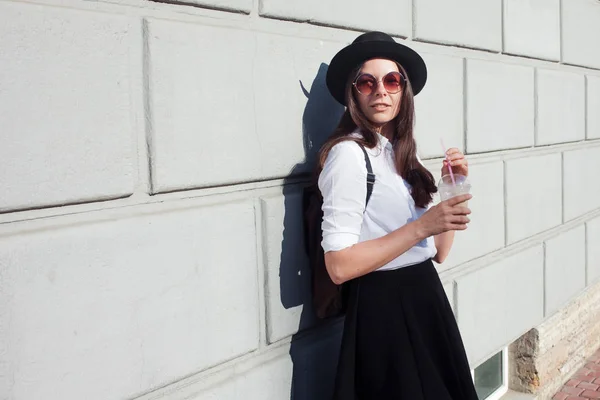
point(461, 220)
point(452, 150)
point(455, 157)
point(459, 161)
point(456, 219)
point(461, 210)
point(456, 200)
point(448, 215)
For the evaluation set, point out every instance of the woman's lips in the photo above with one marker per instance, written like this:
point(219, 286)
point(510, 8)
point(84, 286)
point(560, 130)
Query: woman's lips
point(380, 107)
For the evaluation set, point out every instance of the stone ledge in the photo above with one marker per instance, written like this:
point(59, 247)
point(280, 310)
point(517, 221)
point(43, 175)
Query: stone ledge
point(546, 356)
point(512, 395)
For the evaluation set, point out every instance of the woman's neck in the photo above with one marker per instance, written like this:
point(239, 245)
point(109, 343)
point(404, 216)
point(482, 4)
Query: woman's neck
point(387, 131)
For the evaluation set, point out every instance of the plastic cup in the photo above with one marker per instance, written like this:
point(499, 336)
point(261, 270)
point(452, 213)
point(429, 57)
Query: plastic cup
point(448, 189)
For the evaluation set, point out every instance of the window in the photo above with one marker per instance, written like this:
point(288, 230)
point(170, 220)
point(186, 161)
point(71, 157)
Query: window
point(491, 377)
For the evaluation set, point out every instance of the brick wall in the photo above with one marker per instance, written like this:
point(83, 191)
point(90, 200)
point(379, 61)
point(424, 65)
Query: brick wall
point(152, 156)
point(553, 351)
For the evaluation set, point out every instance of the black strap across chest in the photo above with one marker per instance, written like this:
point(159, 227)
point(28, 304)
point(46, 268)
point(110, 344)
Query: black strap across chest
point(370, 175)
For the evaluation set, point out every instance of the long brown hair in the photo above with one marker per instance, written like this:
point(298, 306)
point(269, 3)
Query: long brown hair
point(403, 142)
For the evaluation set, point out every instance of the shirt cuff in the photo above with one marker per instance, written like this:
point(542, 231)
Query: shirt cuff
point(338, 241)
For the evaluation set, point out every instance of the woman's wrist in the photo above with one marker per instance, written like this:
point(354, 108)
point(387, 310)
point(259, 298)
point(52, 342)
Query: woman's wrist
point(419, 229)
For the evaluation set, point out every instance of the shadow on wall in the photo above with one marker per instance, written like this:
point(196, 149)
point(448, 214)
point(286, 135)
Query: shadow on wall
point(313, 352)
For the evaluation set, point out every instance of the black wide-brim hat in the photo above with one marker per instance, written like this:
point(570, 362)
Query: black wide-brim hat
point(373, 45)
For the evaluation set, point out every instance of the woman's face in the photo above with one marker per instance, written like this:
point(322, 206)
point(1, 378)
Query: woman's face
point(375, 97)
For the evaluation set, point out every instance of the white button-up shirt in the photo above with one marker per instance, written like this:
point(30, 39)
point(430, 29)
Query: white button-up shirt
point(343, 184)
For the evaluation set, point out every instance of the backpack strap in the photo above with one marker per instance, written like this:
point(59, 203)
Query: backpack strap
point(370, 174)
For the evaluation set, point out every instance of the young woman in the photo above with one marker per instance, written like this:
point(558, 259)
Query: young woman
point(400, 340)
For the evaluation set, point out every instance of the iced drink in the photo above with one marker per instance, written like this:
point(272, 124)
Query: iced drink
point(448, 189)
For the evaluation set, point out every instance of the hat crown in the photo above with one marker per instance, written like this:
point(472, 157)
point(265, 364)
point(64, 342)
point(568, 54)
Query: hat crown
point(373, 37)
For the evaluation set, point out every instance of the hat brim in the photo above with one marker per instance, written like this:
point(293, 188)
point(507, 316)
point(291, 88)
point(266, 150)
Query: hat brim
point(355, 54)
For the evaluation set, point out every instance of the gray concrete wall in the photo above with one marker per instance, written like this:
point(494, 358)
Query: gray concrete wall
point(151, 161)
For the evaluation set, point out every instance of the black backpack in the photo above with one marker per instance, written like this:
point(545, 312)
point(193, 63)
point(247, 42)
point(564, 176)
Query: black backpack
point(327, 297)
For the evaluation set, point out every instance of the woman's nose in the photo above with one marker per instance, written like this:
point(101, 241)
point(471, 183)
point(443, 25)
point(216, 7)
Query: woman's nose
point(380, 89)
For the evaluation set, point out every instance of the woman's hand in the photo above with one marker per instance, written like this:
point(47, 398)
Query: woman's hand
point(458, 162)
point(446, 216)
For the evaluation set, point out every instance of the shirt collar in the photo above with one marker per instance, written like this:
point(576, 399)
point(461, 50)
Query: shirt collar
point(384, 143)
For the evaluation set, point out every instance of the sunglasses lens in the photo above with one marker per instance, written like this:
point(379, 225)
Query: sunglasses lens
point(392, 82)
point(365, 84)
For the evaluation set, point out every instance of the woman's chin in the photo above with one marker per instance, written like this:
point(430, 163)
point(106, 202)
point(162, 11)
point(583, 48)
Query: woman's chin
point(379, 119)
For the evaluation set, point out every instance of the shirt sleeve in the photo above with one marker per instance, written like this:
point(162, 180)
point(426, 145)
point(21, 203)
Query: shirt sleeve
point(343, 185)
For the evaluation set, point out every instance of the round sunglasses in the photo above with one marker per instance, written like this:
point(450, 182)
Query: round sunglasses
point(366, 84)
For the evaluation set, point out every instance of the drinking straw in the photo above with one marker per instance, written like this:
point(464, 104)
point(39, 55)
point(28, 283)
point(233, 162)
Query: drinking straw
point(448, 161)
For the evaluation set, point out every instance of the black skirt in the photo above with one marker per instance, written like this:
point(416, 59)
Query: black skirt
point(401, 340)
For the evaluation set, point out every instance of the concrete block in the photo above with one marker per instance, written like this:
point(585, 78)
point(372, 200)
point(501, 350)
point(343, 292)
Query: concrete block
point(270, 381)
point(560, 107)
point(67, 132)
point(439, 107)
point(309, 370)
point(203, 114)
point(137, 302)
point(283, 111)
point(581, 168)
point(580, 32)
point(504, 299)
point(469, 23)
point(565, 268)
point(500, 106)
point(533, 195)
point(593, 105)
point(244, 6)
point(532, 28)
point(288, 293)
point(392, 16)
point(593, 250)
point(294, 111)
point(486, 229)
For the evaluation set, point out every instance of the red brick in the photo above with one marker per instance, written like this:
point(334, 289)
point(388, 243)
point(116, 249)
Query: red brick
point(591, 395)
point(583, 378)
point(572, 390)
point(593, 366)
point(588, 386)
point(584, 371)
point(595, 374)
point(585, 383)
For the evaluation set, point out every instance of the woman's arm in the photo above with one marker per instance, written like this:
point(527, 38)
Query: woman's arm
point(364, 257)
point(443, 244)
point(367, 256)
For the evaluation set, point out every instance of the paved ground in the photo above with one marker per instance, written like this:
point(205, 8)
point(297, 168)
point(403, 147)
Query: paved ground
point(584, 384)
